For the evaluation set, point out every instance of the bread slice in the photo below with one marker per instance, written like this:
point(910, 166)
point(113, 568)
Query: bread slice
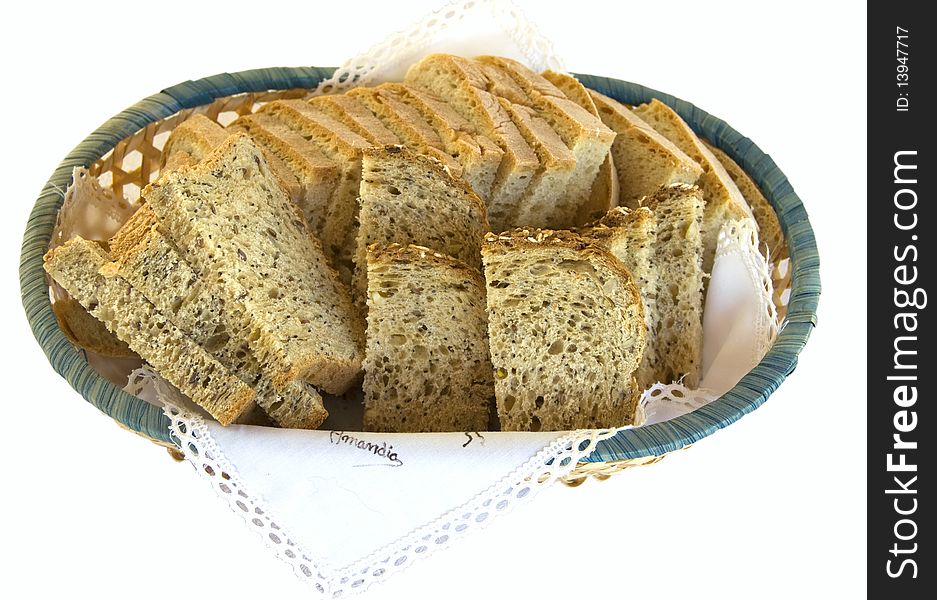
point(191, 141)
point(77, 266)
point(409, 198)
point(407, 123)
point(724, 201)
point(353, 114)
point(479, 156)
point(678, 333)
point(150, 263)
point(84, 331)
point(645, 159)
point(427, 366)
point(583, 132)
point(604, 192)
point(769, 227)
point(631, 235)
point(566, 329)
point(344, 147)
point(316, 174)
point(231, 220)
point(460, 83)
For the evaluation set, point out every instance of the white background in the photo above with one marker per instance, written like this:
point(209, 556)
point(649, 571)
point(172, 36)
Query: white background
point(771, 507)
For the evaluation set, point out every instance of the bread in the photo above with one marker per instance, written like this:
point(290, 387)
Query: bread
point(77, 266)
point(463, 85)
point(229, 218)
point(191, 141)
point(566, 330)
point(479, 156)
point(769, 227)
point(353, 114)
point(604, 192)
point(545, 203)
point(645, 159)
point(316, 174)
point(86, 332)
point(407, 123)
point(587, 138)
point(631, 235)
point(153, 266)
point(426, 367)
point(408, 198)
point(678, 334)
point(724, 201)
point(344, 147)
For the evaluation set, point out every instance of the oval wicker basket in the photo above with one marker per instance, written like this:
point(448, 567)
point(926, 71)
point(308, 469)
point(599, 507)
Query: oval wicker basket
point(125, 152)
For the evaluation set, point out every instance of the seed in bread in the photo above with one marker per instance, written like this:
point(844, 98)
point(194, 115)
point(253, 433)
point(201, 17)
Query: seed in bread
point(231, 220)
point(79, 267)
point(427, 366)
point(566, 330)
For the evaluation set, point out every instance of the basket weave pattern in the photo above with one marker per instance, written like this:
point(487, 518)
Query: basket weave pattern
point(125, 155)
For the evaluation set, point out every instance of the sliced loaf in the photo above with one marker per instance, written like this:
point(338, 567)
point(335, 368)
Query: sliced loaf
point(604, 193)
point(724, 201)
point(769, 227)
point(427, 366)
point(409, 198)
point(583, 132)
point(316, 174)
point(566, 329)
point(479, 156)
point(150, 263)
point(645, 159)
point(79, 267)
point(678, 332)
point(230, 219)
point(463, 86)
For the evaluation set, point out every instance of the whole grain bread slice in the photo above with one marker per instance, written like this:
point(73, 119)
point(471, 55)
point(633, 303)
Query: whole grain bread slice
point(582, 131)
point(409, 198)
point(344, 147)
point(769, 227)
point(678, 333)
point(352, 113)
point(194, 139)
point(479, 156)
point(604, 193)
point(566, 330)
point(316, 174)
point(79, 266)
point(460, 83)
point(427, 366)
point(645, 159)
point(231, 220)
point(724, 201)
point(150, 263)
point(631, 235)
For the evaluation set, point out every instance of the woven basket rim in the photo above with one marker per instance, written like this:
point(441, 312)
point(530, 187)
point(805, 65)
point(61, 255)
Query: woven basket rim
point(653, 440)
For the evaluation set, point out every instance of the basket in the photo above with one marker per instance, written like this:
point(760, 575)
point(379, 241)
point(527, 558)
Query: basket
point(125, 152)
